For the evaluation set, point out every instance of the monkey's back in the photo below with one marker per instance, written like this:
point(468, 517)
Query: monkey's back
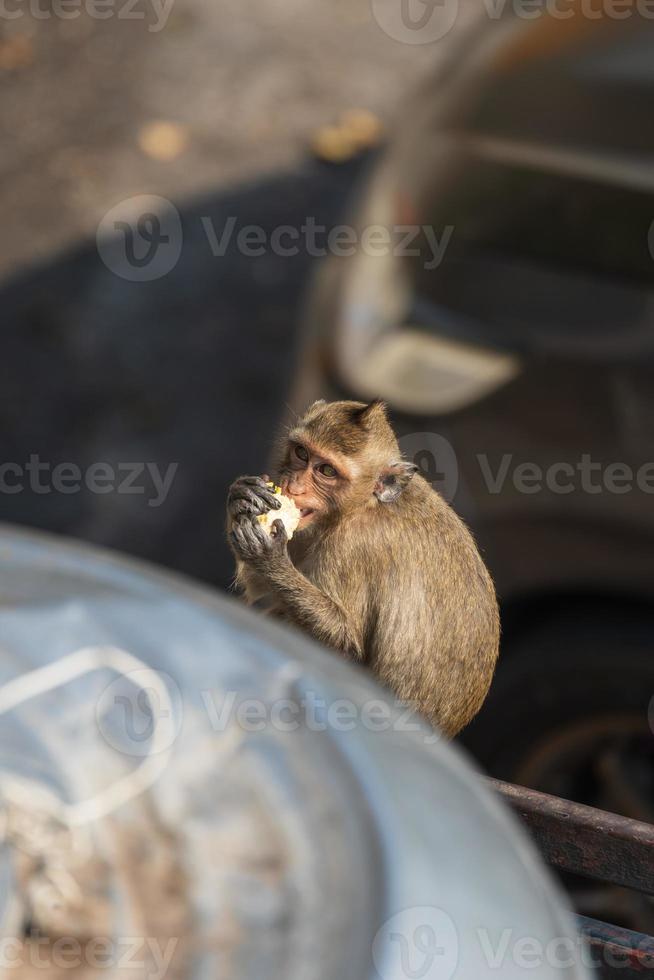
point(428, 611)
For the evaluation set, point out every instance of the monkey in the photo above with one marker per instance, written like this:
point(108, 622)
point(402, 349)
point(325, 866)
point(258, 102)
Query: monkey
point(380, 568)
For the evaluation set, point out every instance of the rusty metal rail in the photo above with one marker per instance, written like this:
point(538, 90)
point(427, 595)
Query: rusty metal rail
point(584, 840)
point(619, 951)
point(601, 846)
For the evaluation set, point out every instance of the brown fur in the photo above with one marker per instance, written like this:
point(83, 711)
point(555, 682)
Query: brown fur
point(387, 573)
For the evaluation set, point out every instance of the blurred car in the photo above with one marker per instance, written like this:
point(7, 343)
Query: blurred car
point(512, 337)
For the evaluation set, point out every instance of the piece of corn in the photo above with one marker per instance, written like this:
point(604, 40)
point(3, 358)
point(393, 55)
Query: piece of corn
point(288, 514)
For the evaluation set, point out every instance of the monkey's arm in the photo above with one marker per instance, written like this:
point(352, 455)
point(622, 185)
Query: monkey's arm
point(252, 586)
point(300, 601)
point(313, 611)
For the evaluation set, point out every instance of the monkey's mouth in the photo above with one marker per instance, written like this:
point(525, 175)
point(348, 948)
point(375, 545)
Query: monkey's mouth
point(306, 513)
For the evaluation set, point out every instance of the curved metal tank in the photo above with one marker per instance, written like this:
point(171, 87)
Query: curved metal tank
point(245, 802)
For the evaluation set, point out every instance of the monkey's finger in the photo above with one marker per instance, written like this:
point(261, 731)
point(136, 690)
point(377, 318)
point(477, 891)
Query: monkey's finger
point(247, 480)
point(279, 532)
point(248, 484)
point(260, 484)
point(243, 533)
point(236, 486)
point(246, 535)
point(252, 481)
point(266, 493)
point(238, 490)
point(236, 534)
point(270, 498)
point(265, 501)
point(245, 550)
point(260, 500)
point(261, 536)
point(256, 537)
point(236, 495)
point(236, 541)
point(240, 508)
point(258, 542)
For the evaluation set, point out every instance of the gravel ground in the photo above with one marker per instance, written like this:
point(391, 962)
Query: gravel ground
point(248, 83)
point(190, 369)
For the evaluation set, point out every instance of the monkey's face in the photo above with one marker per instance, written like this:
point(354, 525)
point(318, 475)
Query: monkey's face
point(333, 458)
point(315, 480)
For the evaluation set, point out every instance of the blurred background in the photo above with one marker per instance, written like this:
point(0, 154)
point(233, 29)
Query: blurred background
point(506, 319)
point(212, 106)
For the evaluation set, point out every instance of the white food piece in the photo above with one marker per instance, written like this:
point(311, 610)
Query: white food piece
point(288, 514)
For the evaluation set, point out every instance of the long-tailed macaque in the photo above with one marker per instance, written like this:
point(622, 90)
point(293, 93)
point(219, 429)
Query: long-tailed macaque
point(380, 567)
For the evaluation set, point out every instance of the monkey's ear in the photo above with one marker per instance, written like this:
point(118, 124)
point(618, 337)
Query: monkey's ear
point(375, 410)
point(393, 480)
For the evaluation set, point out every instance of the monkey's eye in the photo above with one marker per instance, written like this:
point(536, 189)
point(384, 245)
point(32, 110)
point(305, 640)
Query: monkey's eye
point(327, 470)
point(301, 453)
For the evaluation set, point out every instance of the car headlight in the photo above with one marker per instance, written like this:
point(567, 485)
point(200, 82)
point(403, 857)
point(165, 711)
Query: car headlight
point(380, 350)
point(377, 354)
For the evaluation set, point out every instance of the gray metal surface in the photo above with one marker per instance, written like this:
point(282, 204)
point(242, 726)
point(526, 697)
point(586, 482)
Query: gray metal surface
point(276, 840)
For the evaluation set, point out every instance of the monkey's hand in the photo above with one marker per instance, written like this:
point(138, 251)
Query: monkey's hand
point(266, 553)
point(250, 496)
